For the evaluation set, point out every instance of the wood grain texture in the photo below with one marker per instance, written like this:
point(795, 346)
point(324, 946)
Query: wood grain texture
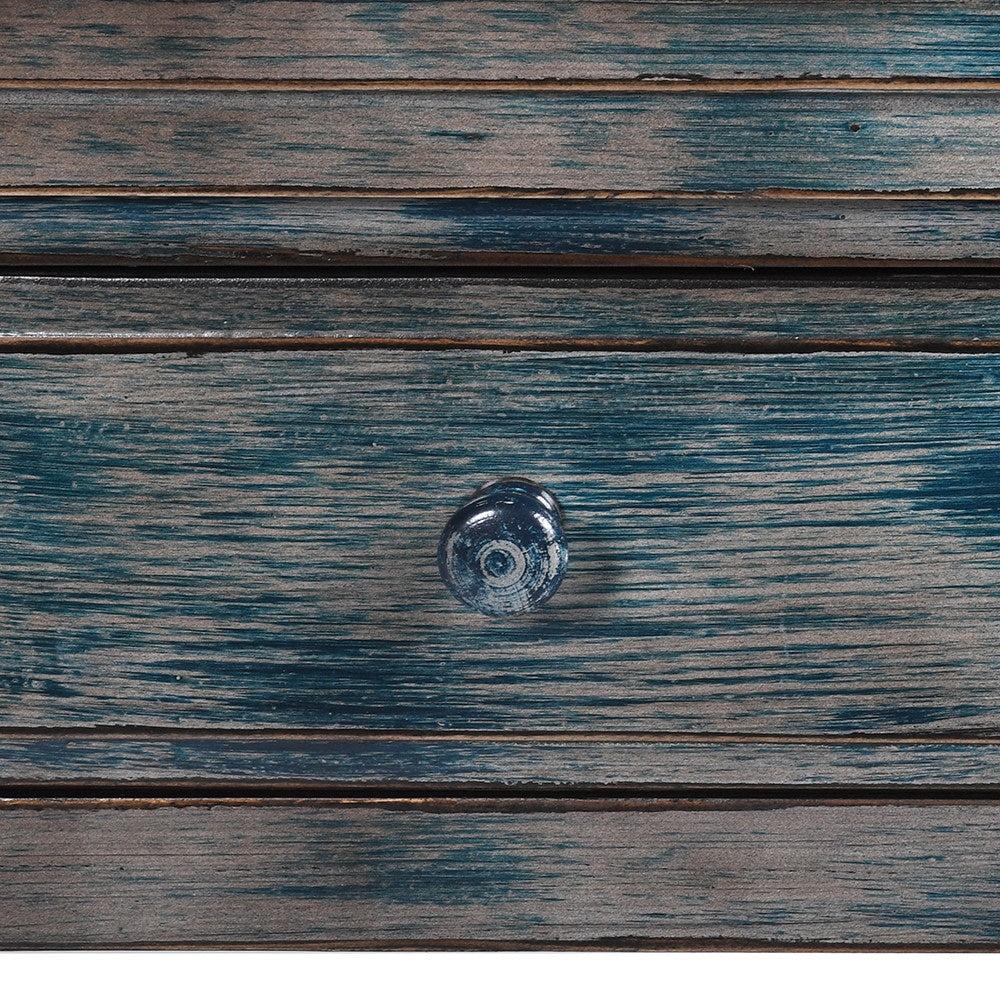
point(318, 231)
point(789, 544)
point(759, 313)
point(667, 873)
point(170, 761)
point(490, 41)
point(385, 141)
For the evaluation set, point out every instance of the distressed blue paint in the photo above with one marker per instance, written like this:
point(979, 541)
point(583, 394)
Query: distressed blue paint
point(424, 230)
point(467, 871)
point(559, 872)
point(761, 546)
point(486, 761)
point(970, 492)
point(250, 540)
point(504, 552)
point(536, 141)
point(486, 40)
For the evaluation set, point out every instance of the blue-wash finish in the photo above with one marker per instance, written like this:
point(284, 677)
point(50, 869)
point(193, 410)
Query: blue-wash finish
point(438, 762)
point(504, 551)
point(227, 141)
point(533, 310)
point(761, 545)
point(74, 39)
point(318, 231)
point(218, 574)
point(454, 872)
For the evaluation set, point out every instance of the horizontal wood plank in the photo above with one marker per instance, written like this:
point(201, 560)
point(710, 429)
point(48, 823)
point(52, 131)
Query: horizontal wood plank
point(319, 231)
point(719, 873)
point(388, 141)
point(488, 762)
point(759, 313)
point(74, 39)
point(788, 544)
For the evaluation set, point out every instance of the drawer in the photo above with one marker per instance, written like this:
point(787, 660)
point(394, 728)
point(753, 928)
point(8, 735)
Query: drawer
point(721, 277)
point(222, 567)
point(758, 544)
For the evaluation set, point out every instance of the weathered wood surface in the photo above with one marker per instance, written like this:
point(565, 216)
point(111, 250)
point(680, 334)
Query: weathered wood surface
point(249, 135)
point(304, 231)
point(56, 39)
point(627, 873)
point(760, 312)
point(170, 761)
point(455, 139)
point(789, 544)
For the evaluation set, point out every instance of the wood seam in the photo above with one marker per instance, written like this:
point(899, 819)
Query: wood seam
point(198, 344)
point(541, 736)
point(628, 944)
point(614, 800)
point(639, 84)
point(442, 193)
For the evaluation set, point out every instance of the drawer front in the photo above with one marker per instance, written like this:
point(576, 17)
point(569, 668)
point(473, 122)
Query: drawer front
point(785, 544)
point(498, 873)
point(661, 258)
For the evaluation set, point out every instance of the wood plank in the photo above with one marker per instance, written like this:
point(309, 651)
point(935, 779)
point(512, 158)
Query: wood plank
point(787, 544)
point(619, 873)
point(319, 231)
point(428, 762)
point(72, 39)
point(758, 313)
point(446, 140)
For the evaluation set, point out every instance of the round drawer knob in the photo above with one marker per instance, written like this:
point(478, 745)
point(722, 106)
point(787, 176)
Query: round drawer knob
point(503, 552)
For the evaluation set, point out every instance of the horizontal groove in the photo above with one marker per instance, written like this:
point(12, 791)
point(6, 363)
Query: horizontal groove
point(197, 344)
point(124, 733)
point(920, 274)
point(646, 83)
point(613, 266)
point(501, 270)
point(292, 191)
point(605, 944)
point(481, 797)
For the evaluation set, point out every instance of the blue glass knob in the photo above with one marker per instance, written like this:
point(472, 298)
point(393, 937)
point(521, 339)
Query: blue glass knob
point(503, 552)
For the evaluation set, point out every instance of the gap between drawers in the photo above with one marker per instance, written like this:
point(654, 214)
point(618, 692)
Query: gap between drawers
point(762, 311)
